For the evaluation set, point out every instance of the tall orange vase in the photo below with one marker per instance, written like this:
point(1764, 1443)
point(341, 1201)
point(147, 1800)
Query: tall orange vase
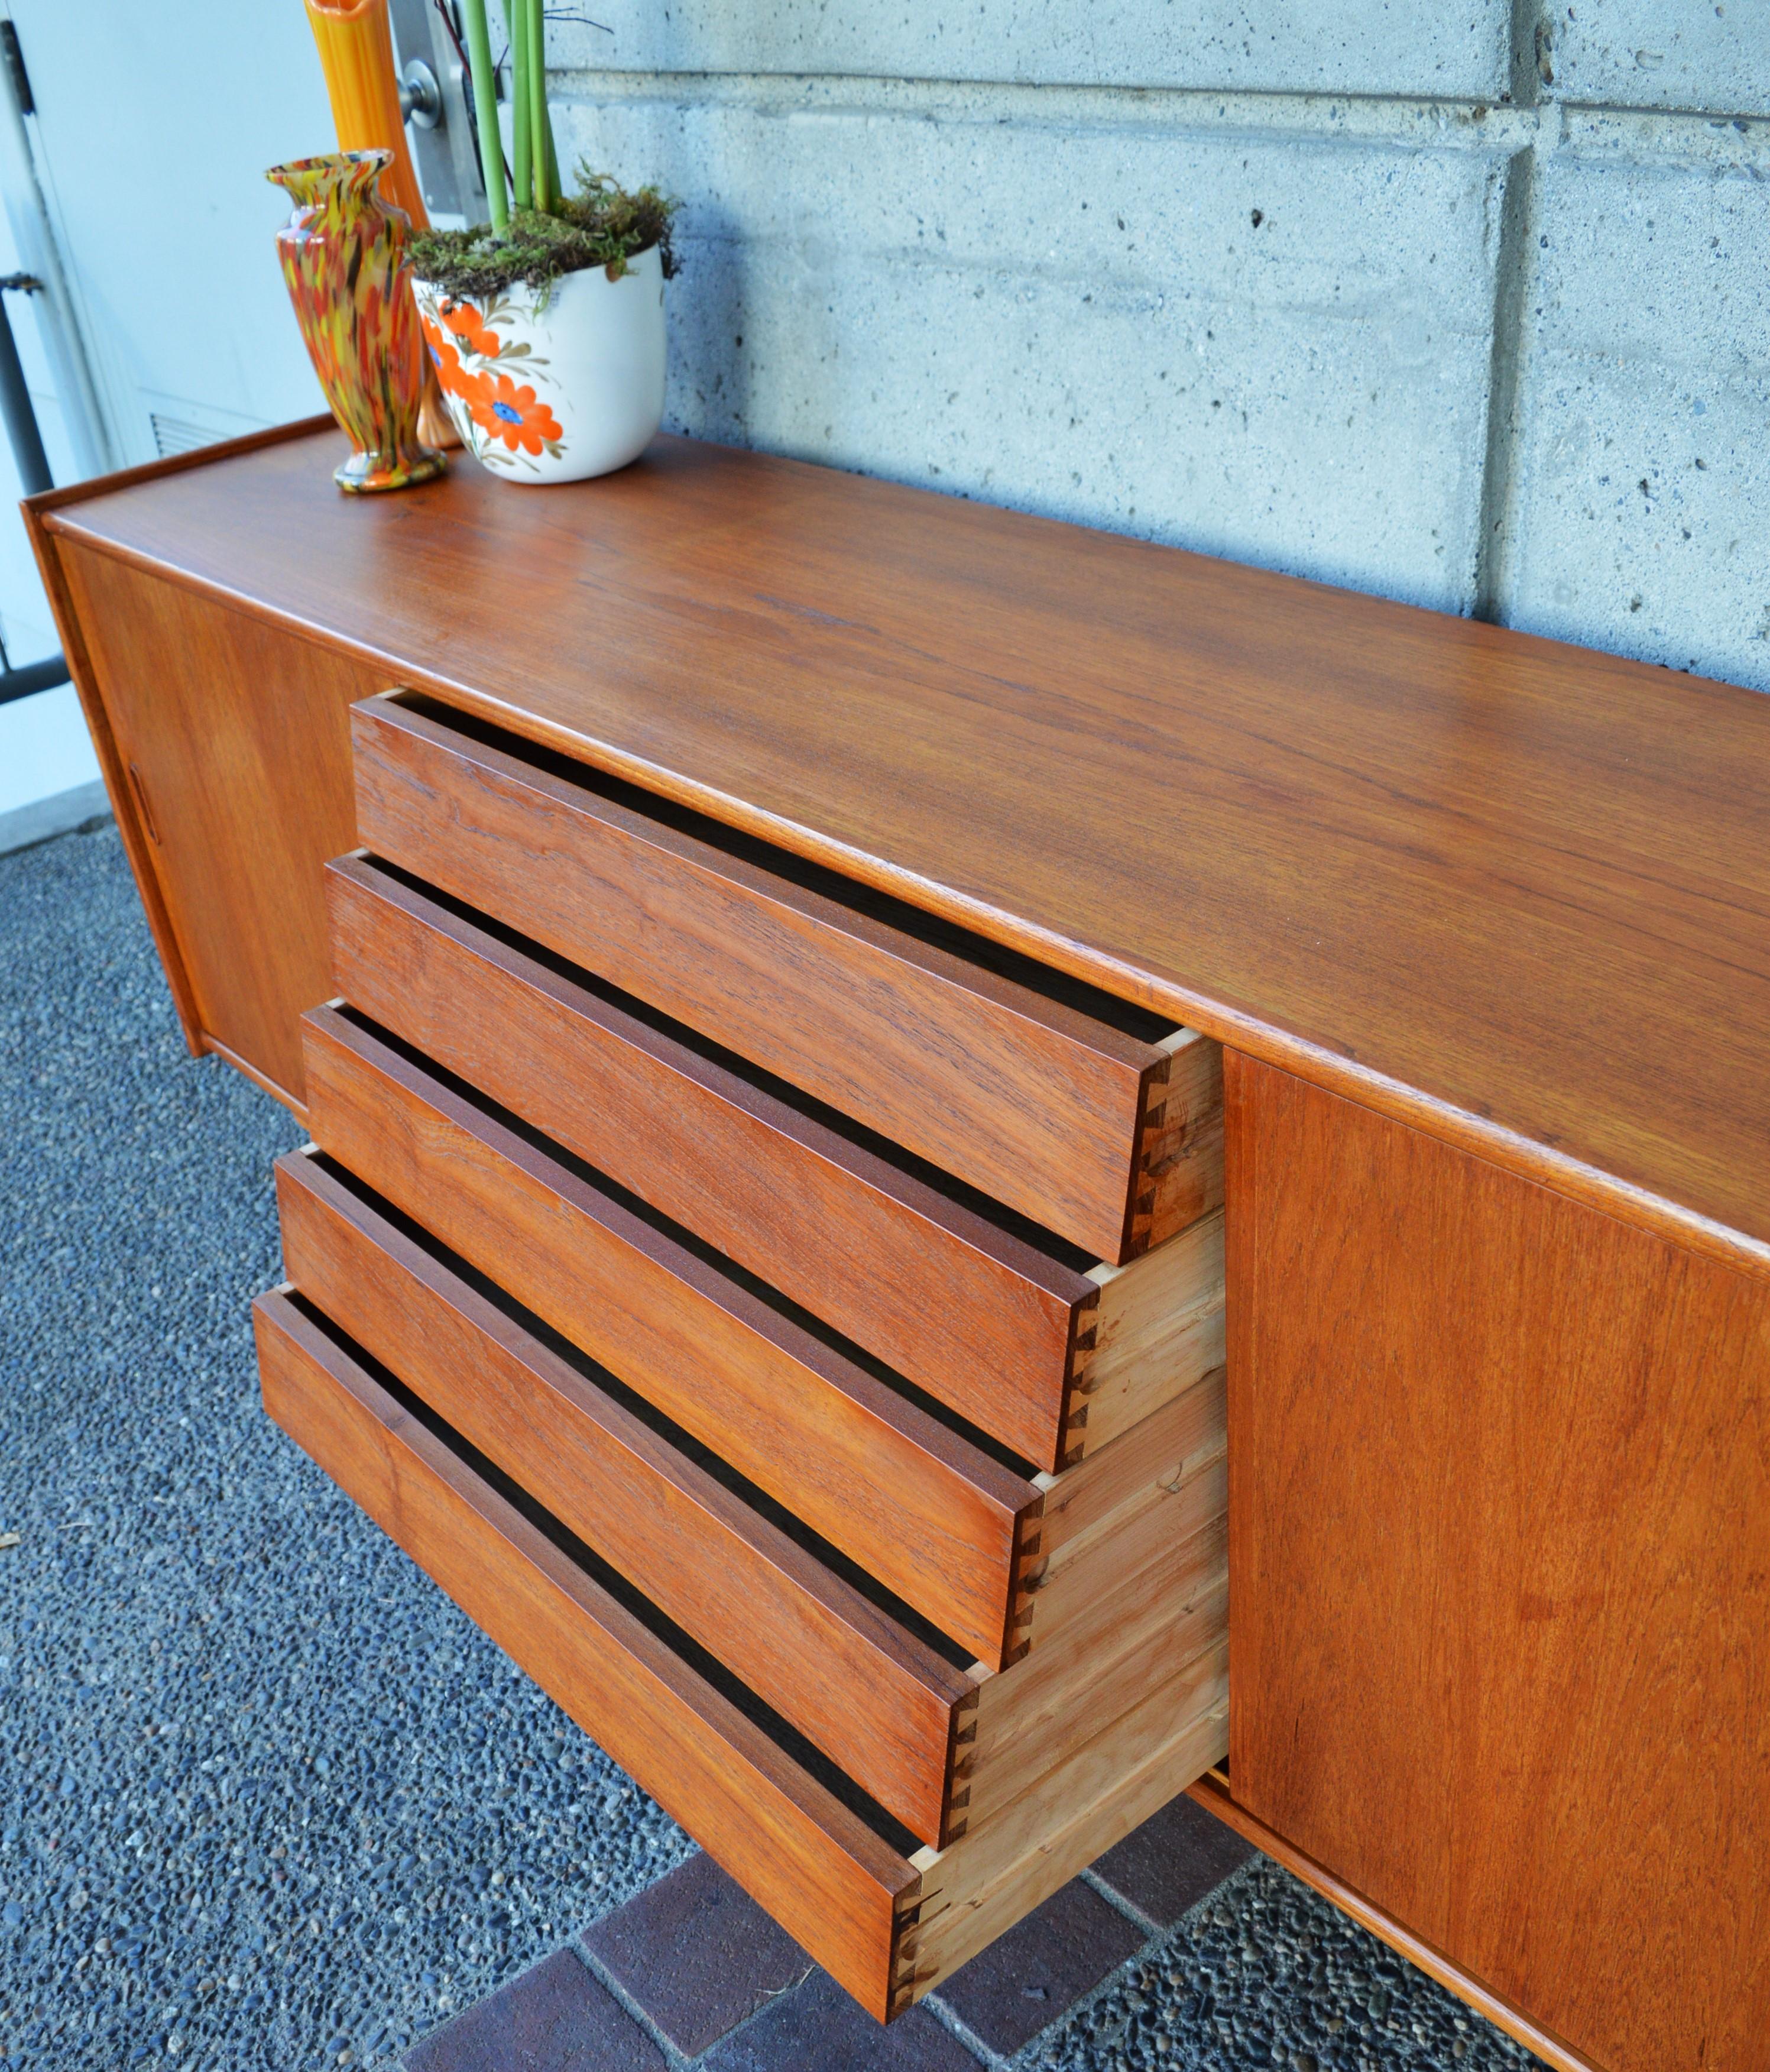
point(355, 46)
point(343, 258)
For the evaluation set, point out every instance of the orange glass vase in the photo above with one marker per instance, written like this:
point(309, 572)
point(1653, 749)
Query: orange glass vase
point(356, 47)
point(343, 259)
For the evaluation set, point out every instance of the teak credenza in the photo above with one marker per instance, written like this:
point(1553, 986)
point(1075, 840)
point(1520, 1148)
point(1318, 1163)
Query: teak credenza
point(827, 1014)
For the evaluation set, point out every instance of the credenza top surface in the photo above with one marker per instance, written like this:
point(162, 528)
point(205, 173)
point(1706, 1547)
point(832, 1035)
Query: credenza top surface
point(1517, 891)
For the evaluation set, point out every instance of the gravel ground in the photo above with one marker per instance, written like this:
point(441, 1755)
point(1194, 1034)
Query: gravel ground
point(1268, 1973)
point(266, 1798)
point(264, 1793)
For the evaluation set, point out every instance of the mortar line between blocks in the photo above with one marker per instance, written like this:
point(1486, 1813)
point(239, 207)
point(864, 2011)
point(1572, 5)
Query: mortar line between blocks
point(570, 1941)
point(1496, 546)
point(1404, 120)
point(768, 1999)
point(968, 2039)
point(1501, 127)
point(1120, 1904)
point(1098, 1991)
point(618, 1993)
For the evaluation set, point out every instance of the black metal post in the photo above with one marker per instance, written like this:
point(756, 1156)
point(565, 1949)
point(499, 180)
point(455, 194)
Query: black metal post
point(33, 464)
point(15, 404)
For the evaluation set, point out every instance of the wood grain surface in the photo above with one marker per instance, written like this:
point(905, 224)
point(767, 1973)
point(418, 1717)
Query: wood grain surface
point(874, 1698)
point(235, 746)
point(917, 1505)
point(825, 1875)
point(138, 844)
point(974, 1313)
point(1037, 1104)
point(1000, 1869)
point(1499, 1504)
point(1131, 1584)
point(1157, 1327)
point(1036, 1714)
point(1516, 890)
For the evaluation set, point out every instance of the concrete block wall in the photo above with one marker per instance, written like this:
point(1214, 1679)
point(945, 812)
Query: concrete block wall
point(1466, 301)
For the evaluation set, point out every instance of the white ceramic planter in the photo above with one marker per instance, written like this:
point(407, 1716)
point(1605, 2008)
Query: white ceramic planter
point(553, 387)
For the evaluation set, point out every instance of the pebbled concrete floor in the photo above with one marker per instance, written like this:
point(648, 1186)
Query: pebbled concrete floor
point(266, 1798)
point(1266, 1973)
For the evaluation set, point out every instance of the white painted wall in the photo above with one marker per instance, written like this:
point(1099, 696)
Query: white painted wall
point(152, 133)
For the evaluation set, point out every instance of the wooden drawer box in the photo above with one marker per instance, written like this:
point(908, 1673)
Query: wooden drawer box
point(877, 1528)
point(1120, 1701)
point(865, 1686)
point(939, 1521)
point(1088, 1116)
point(829, 1876)
point(868, 1683)
point(1012, 1328)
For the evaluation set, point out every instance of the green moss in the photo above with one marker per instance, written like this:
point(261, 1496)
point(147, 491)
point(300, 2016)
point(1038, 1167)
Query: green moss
point(601, 225)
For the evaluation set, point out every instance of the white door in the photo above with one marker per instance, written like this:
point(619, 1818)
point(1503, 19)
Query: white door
point(151, 129)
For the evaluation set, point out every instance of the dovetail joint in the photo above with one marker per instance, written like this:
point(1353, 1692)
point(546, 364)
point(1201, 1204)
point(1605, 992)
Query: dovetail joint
point(1155, 1152)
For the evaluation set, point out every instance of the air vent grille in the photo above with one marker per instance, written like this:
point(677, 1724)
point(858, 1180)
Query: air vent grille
point(177, 435)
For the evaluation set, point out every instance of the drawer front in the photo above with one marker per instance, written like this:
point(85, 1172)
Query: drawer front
point(967, 1311)
point(872, 1695)
point(830, 1880)
point(918, 1506)
point(1050, 1109)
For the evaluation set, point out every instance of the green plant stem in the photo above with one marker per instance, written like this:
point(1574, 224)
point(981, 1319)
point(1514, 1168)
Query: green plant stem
point(485, 109)
point(522, 154)
point(544, 196)
point(556, 187)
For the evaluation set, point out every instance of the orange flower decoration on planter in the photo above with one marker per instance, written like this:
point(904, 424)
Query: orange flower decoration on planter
point(471, 330)
point(505, 411)
point(454, 378)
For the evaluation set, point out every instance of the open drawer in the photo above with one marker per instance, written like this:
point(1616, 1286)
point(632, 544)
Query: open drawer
point(1026, 1337)
point(862, 1678)
point(1129, 1707)
point(940, 1521)
point(1096, 1119)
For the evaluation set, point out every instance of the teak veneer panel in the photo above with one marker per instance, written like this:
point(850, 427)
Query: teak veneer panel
point(57, 560)
point(1500, 1474)
point(917, 1505)
point(1517, 890)
point(825, 1875)
point(1040, 1106)
point(231, 745)
point(980, 1319)
point(876, 1699)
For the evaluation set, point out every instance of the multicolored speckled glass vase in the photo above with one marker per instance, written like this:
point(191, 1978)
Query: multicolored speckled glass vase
point(344, 257)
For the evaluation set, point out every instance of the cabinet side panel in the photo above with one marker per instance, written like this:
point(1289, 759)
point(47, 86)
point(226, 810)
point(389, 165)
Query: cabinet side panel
point(232, 738)
point(1499, 1533)
point(49, 551)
